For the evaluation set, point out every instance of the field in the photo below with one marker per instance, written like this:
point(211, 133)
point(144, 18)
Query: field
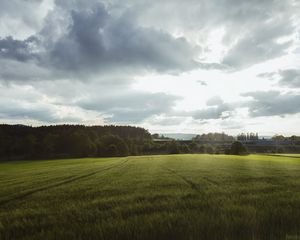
point(152, 197)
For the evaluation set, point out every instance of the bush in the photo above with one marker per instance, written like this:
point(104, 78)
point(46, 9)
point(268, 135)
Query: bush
point(237, 148)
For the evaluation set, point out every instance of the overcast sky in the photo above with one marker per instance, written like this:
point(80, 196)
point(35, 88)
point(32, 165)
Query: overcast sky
point(188, 66)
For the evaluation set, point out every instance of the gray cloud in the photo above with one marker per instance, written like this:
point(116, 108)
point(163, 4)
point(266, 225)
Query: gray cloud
point(94, 42)
point(216, 109)
point(202, 83)
point(231, 124)
point(86, 54)
point(252, 29)
point(260, 43)
point(22, 17)
point(40, 112)
point(27, 104)
point(16, 49)
point(272, 103)
point(129, 106)
point(221, 111)
point(167, 121)
point(102, 42)
point(216, 100)
point(268, 75)
point(16, 71)
point(290, 78)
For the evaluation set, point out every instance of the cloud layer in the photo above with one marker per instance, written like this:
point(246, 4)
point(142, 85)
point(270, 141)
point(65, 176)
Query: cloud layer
point(79, 61)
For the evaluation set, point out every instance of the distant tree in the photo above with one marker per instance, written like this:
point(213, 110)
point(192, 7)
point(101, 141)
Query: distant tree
point(193, 146)
point(213, 137)
point(23, 142)
point(237, 148)
point(201, 149)
point(209, 149)
point(112, 150)
point(278, 138)
point(49, 144)
point(280, 149)
point(81, 145)
point(173, 147)
point(30, 142)
point(184, 148)
point(113, 146)
point(155, 135)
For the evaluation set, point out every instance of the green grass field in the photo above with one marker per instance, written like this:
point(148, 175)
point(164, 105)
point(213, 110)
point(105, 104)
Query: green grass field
point(152, 197)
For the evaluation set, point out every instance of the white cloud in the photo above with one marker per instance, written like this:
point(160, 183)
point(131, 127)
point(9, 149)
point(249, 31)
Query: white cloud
point(209, 66)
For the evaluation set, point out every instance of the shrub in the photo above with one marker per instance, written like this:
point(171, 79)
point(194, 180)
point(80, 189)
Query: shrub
point(237, 148)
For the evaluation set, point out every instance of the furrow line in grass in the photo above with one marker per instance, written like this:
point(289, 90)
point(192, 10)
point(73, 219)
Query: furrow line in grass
point(28, 193)
point(192, 184)
point(211, 182)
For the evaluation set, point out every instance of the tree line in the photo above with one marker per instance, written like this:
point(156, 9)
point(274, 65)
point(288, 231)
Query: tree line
point(65, 141)
point(18, 142)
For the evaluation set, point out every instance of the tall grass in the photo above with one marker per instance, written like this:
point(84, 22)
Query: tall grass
point(152, 197)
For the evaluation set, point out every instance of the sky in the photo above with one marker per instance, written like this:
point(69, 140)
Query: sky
point(193, 66)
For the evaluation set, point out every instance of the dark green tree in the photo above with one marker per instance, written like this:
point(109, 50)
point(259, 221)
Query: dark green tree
point(237, 148)
point(174, 147)
point(112, 145)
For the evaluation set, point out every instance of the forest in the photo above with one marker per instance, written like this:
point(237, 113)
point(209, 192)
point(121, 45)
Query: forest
point(20, 142)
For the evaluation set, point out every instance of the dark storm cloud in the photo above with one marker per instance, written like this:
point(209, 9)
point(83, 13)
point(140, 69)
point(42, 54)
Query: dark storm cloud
point(95, 37)
point(95, 42)
point(272, 103)
point(98, 41)
point(16, 49)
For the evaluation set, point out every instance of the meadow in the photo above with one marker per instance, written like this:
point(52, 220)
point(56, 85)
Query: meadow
point(152, 197)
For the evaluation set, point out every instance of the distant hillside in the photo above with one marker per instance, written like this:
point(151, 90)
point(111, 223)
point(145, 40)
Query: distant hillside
point(179, 136)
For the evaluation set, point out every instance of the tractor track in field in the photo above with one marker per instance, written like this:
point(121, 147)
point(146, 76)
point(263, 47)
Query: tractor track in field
point(212, 182)
point(70, 180)
point(192, 184)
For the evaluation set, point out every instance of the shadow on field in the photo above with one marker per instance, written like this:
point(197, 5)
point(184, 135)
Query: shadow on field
point(282, 155)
